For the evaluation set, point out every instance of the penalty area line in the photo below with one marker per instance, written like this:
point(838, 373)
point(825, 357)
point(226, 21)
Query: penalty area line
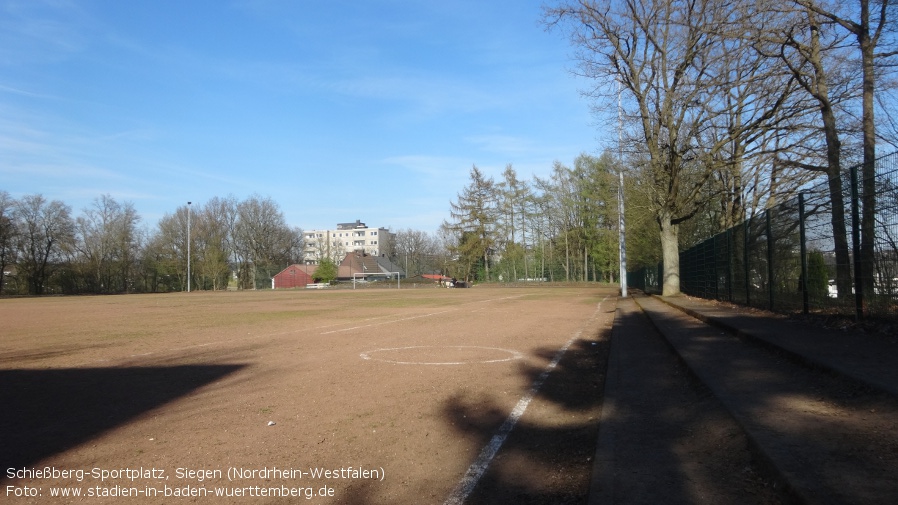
point(478, 468)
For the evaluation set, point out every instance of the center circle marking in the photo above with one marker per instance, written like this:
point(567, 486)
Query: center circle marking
point(509, 355)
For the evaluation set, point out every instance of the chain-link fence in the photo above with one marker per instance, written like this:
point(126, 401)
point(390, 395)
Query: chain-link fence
point(805, 254)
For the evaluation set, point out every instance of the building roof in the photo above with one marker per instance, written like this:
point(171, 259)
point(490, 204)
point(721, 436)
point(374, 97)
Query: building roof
point(361, 263)
point(436, 277)
point(308, 269)
point(351, 226)
point(358, 263)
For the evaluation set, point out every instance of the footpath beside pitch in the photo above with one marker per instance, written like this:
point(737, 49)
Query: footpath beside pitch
point(869, 359)
point(821, 409)
point(663, 437)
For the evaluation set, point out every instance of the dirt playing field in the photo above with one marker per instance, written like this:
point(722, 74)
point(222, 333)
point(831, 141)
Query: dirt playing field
point(368, 396)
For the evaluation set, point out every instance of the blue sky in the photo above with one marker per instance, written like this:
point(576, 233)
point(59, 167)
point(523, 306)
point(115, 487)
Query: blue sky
point(337, 110)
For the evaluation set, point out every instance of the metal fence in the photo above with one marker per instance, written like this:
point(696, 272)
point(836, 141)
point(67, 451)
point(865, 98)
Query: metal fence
point(800, 255)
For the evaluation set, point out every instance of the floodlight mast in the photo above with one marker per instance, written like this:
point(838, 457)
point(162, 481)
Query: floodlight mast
point(620, 194)
point(188, 247)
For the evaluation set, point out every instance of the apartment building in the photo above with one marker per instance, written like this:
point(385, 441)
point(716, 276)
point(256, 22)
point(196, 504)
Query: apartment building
point(345, 239)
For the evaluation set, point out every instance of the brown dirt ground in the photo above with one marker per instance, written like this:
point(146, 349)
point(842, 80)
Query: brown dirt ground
point(411, 383)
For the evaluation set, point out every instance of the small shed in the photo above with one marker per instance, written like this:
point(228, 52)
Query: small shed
point(294, 276)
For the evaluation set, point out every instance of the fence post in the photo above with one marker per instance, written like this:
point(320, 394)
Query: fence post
point(804, 255)
point(714, 280)
point(769, 259)
point(856, 248)
point(746, 231)
point(729, 258)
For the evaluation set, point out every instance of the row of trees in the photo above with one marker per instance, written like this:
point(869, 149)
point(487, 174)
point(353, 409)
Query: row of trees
point(727, 106)
point(724, 108)
point(45, 249)
point(563, 227)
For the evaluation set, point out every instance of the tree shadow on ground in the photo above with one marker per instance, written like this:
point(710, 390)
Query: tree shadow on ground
point(46, 412)
point(832, 435)
point(664, 437)
point(549, 461)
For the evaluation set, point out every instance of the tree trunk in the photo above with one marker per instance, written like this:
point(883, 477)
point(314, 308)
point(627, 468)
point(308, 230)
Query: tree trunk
point(670, 250)
point(567, 259)
point(585, 264)
point(834, 172)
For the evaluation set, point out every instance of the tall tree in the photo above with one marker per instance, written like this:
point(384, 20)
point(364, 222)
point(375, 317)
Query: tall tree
point(558, 205)
point(416, 250)
point(514, 202)
point(212, 243)
point(8, 236)
point(871, 23)
point(667, 61)
point(107, 242)
point(473, 222)
point(167, 250)
point(265, 241)
point(597, 182)
point(46, 235)
point(810, 48)
point(660, 53)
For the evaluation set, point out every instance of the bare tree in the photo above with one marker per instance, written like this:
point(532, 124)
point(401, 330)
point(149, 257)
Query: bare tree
point(416, 250)
point(660, 53)
point(264, 241)
point(212, 243)
point(46, 234)
point(755, 112)
point(668, 61)
point(8, 236)
point(107, 243)
point(167, 250)
point(808, 45)
point(871, 24)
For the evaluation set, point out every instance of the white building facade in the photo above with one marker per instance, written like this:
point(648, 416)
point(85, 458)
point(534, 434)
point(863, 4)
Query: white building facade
point(345, 239)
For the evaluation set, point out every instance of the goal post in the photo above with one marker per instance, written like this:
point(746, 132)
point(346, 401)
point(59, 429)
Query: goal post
point(388, 275)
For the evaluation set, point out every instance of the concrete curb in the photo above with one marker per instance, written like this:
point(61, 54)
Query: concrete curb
point(601, 486)
point(775, 471)
point(791, 354)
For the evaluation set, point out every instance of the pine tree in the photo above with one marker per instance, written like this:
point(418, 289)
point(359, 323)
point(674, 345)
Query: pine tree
point(474, 217)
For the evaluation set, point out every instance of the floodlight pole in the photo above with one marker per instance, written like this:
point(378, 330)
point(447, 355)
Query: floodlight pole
point(620, 194)
point(188, 247)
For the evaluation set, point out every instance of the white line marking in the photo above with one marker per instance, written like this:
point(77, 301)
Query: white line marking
point(386, 322)
point(514, 355)
point(478, 468)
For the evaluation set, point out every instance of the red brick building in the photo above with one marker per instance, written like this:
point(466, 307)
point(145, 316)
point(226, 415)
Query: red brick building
point(294, 276)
